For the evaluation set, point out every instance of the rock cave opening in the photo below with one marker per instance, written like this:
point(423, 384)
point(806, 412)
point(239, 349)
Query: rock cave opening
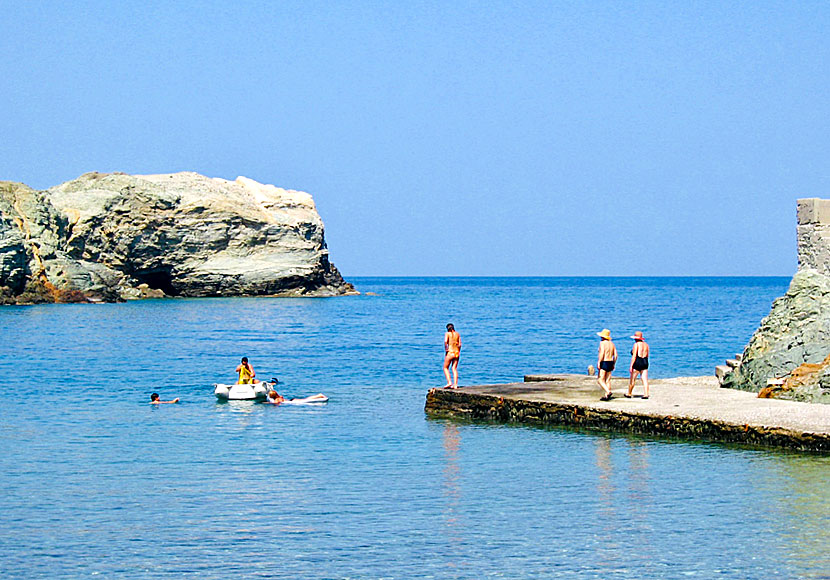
point(160, 279)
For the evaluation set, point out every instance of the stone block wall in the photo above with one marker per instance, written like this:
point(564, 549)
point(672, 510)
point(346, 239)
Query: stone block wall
point(814, 234)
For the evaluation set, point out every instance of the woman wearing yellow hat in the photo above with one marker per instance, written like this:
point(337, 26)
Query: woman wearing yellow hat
point(606, 360)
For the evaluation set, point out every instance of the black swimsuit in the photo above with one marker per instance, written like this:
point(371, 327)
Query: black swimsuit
point(640, 363)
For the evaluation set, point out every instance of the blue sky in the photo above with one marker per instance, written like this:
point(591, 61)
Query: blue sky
point(460, 138)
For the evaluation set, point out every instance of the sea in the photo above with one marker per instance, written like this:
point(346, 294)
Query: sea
point(96, 482)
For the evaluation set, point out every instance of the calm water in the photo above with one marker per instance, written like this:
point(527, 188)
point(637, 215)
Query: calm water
point(97, 482)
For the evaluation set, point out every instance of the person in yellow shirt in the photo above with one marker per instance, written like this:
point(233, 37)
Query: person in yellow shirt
point(246, 373)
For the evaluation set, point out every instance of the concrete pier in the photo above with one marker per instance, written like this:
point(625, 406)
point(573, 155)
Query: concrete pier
point(688, 407)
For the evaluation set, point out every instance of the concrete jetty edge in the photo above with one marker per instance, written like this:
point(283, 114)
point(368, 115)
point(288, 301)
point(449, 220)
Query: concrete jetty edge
point(557, 402)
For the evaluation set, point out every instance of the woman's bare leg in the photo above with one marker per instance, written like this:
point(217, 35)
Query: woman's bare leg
point(454, 365)
point(644, 375)
point(631, 380)
point(447, 371)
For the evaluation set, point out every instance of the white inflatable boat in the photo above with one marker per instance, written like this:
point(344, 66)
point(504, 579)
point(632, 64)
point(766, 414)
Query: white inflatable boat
point(241, 392)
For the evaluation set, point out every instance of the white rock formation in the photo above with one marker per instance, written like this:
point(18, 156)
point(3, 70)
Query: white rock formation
point(118, 236)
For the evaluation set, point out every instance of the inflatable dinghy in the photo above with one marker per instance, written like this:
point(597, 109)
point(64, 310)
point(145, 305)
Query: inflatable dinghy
point(312, 400)
point(241, 392)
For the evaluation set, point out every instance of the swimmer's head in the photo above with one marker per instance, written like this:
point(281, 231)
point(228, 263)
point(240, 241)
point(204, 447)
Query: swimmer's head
point(154, 397)
point(245, 359)
point(273, 394)
point(450, 328)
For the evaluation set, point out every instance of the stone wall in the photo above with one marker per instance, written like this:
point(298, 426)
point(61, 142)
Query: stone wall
point(814, 235)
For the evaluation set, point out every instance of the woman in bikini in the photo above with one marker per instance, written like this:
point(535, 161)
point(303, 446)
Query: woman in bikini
point(452, 352)
point(639, 364)
point(606, 360)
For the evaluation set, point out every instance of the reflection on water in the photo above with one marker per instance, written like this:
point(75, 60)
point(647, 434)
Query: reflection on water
point(451, 491)
point(801, 502)
point(452, 486)
point(607, 543)
point(623, 493)
point(639, 497)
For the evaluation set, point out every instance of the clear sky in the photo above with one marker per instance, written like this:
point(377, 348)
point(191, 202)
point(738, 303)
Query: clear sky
point(450, 138)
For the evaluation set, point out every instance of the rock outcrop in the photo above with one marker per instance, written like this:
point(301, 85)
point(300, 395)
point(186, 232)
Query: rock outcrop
point(787, 357)
point(117, 237)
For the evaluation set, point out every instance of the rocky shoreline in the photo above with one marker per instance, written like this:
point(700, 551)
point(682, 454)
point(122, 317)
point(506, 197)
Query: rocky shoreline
point(114, 237)
point(788, 356)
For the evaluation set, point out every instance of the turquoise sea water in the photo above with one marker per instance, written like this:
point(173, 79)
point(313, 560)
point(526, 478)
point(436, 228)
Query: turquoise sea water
point(96, 482)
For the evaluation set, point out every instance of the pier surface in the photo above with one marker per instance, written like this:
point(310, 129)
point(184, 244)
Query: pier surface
point(688, 407)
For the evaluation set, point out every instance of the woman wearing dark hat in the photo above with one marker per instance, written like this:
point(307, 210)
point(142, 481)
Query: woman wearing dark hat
point(639, 364)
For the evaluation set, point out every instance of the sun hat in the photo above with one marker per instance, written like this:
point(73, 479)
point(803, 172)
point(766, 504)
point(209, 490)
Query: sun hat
point(606, 334)
point(638, 335)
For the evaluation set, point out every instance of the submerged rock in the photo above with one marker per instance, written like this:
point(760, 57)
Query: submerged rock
point(118, 237)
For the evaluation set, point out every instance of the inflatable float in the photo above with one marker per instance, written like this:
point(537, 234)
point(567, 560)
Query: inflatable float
point(241, 392)
point(312, 400)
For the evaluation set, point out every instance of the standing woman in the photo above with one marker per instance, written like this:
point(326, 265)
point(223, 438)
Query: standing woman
point(606, 360)
point(452, 352)
point(639, 364)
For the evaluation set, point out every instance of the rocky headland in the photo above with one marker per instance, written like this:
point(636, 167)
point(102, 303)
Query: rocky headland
point(788, 357)
point(113, 237)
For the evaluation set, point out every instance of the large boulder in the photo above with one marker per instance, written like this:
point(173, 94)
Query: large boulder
point(118, 236)
point(787, 357)
point(796, 332)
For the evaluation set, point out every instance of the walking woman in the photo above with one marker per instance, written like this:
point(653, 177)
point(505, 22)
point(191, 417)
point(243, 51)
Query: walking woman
point(639, 364)
point(606, 360)
point(452, 352)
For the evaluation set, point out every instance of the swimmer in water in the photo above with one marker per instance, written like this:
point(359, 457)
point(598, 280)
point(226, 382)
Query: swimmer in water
point(154, 400)
point(274, 398)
